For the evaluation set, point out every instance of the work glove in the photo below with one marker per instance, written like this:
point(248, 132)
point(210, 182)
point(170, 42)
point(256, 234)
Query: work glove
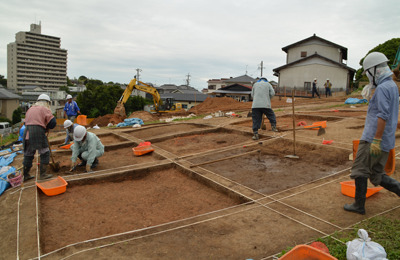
point(375, 148)
point(74, 165)
point(88, 169)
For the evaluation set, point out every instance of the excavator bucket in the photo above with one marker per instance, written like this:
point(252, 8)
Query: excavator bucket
point(120, 109)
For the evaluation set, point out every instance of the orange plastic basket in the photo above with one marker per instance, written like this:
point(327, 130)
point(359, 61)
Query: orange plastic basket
point(316, 124)
point(305, 252)
point(349, 189)
point(53, 187)
point(390, 164)
point(67, 146)
point(141, 150)
point(81, 120)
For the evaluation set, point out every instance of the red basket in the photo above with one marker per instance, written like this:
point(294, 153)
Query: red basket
point(15, 180)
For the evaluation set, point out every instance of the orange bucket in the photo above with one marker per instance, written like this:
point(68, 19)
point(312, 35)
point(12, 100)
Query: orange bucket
point(81, 120)
point(390, 164)
point(306, 252)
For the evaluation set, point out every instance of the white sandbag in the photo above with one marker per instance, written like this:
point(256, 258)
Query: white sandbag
point(364, 249)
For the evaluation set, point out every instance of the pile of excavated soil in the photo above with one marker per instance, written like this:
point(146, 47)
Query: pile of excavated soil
point(145, 116)
point(216, 104)
point(105, 120)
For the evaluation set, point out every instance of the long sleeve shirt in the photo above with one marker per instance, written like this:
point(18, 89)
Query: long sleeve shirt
point(71, 108)
point(92, 144)
point(262, 92)
point(383, 104)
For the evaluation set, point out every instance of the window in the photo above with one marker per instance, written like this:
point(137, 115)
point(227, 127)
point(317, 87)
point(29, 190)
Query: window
point(307, 85)
point(212, 87)
point(303, 54)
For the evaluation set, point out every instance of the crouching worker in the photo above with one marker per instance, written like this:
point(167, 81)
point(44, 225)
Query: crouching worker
point(38, 121)
point(87, 147)
point(69, 127)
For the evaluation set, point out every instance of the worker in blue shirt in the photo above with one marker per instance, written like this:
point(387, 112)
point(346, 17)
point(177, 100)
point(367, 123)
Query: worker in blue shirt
point(71, 109)
point(21, 133)
point(378, 137)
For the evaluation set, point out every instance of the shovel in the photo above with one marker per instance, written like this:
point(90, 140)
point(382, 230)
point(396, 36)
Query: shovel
point(55, 166)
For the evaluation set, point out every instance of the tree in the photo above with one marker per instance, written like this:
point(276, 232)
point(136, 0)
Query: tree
point(65, 88)
point(98, 99)
point(3, 81)
point(69, 83)
point(136, 103)
point(389, 48)
point(16, 116)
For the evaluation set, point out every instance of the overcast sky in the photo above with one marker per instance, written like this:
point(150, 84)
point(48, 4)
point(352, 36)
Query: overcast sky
point(169, 39)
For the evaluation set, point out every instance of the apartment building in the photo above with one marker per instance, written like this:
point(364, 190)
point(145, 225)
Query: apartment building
point(35, 59)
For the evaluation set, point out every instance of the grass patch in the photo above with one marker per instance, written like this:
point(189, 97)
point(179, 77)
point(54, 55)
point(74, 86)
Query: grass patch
point(381, 229)
point(9, 139)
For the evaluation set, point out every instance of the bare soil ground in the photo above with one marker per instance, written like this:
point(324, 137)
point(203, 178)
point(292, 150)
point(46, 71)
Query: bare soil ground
point(158, 206)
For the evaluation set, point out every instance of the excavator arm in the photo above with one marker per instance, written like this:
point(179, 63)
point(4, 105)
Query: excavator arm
point(120, 109)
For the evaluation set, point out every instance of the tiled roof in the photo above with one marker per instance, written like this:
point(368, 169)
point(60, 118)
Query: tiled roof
point(6, 94)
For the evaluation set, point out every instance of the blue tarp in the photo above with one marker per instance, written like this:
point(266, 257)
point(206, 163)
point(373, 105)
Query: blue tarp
point(3, 183)
point(4, 162)
point(131, 121)
point(355, 101)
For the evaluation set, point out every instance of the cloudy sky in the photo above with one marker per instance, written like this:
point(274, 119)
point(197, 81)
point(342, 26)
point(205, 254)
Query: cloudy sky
point(169, 39)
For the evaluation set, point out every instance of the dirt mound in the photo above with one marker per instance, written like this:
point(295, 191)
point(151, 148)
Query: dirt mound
point(105, 120)
point(145, 116)
point(216, 104)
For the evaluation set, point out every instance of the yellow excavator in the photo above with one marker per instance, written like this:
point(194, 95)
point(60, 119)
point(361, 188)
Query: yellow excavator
point(160, 106)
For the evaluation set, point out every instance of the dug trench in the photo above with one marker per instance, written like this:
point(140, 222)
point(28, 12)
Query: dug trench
point(269, 171)
point(102, 206)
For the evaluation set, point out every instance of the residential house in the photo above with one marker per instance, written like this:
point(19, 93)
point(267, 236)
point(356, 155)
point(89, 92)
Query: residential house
point(216, 84)
point(311, 58)
point(9, 101)
point(31, 93)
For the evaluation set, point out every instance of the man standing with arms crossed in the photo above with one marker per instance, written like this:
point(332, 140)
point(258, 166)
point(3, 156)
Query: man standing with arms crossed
point(378, 137)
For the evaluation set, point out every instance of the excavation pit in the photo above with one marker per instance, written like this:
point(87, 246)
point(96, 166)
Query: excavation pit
point(106, 139)
point(270, 172)
point(201, 141)
point(116, 203)
point(165, 130)
point(114, 157)
point(285, 122)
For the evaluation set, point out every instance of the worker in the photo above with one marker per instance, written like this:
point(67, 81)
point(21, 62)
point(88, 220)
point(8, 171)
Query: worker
point(314, 89)
point(328, 87)
point(21, 133)
point(69, 127)
point(378, 137)
point(71, 109)
point(38, 121)
point(87, 147)
point(262, 92)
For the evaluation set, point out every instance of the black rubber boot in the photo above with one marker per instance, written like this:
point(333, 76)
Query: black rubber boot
point(390, 184)
point(27, 176)
point(43, 174)
point(83, 162)
point(273, 127)
point(255, 137)
point(361, 190)
point(95, 163)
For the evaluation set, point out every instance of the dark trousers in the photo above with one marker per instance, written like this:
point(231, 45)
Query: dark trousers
point(328, 92)
point(314, 90)
point(257, 114)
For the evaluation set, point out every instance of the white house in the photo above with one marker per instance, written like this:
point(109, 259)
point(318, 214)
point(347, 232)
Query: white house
point(311, 58)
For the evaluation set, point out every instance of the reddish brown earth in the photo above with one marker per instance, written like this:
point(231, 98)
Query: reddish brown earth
point(292, 201)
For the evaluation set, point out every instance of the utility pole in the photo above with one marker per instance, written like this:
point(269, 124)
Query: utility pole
point(188, 79)
point(262, 67)
point(137, 75)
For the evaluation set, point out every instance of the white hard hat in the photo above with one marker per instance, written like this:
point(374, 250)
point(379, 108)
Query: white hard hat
point(43, 97)
point(67, 123)
point(327, 79)
point(373, 59)
point(69, 96)
point(315, 79)
point(79, 133)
